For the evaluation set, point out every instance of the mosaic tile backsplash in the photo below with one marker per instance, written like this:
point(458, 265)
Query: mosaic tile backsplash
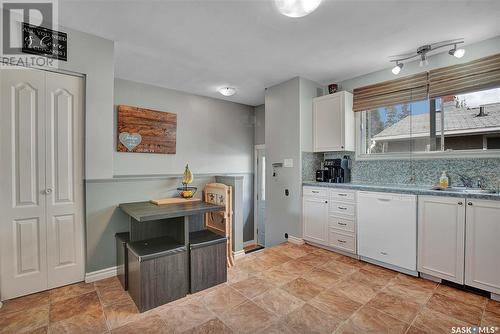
point(418, 172)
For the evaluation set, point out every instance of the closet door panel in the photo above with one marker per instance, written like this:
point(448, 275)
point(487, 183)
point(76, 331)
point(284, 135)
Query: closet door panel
point(64, 105)
point(23, 264)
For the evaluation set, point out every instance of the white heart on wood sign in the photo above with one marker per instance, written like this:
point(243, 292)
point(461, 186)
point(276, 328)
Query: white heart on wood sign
point(130, 140)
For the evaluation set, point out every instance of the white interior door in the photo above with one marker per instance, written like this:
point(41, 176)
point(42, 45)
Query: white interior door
point(261, 195)
point(41, 195)
point(64, 179)
point(23, 221)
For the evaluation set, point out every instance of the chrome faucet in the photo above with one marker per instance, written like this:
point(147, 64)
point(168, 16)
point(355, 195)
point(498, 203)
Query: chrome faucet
point(466, 180)
point(481, 182)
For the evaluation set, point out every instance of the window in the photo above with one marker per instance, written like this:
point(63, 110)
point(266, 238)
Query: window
point(469, 121)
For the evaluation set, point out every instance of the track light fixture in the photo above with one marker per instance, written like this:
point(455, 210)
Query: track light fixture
point(423, 52)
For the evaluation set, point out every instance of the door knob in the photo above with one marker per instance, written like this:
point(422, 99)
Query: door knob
point(460, 203)
point(48, 191)
point(470, 203)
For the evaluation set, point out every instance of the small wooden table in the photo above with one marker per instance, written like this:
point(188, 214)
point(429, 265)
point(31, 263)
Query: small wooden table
point(148, 220)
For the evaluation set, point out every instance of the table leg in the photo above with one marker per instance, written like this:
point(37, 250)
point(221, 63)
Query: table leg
point(188, 252)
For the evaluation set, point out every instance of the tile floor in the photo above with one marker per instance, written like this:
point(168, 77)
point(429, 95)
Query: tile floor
point(283, 289)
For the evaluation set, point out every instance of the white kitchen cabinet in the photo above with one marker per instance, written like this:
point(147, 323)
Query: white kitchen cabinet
point(387, 228)
point(333, 123)
point(482, 245)
point(315, 218)
point(441, 228)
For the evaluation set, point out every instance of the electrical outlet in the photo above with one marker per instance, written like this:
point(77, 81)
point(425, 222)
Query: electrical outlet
point(286, 235)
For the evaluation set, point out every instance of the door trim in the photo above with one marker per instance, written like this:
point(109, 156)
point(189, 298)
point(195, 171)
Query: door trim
point(255, 186)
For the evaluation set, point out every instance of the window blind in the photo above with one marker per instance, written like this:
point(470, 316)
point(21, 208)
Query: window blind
point(387, 93)
point(474, 75)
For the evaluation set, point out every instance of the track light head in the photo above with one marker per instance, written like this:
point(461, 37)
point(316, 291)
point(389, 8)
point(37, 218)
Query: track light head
point(458, 53)
point(396, 69)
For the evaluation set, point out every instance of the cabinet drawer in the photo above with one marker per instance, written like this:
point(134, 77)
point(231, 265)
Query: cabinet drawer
point(341, 224)
point(342, 241)
point(316, 192)
point(340, 195)
point(344, 209)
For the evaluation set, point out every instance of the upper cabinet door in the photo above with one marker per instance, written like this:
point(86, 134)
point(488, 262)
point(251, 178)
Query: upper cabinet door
point(333, 123)
point(482, 246)
point(22, 178)
point(441, 236)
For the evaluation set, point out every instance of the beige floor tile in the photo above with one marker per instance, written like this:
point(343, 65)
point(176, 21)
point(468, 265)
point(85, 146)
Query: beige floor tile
point(247, 318)
point(111, 292)
point(39, 330)
point(24, 303)
point(493, 306)
point(121, 313)
point(407, 290)
point(213, 326)
point(328, 253)
point(309, 319)
point(84, 304)
point(302, 288)
point(360, 292)
point(23, 321)
point(278, 327)
point(148, 325)
point(415, 330)
point(294, 252)
point(235, 275)
point(80, 324)
point(278, 302)
point(453, 308)
point(351, 261)
point(315, 259)
point(490, 319)
point(380, 271)
point(252, 287)
point(70, 291)
point(463, 296)
point(433, 322)
point(370, 320)
point(399, 308)
point(416, 281)
point(187, 315)
point(222, 299)
point(322, 277)
point(339, 268)
point(296, 267)
point(369, 278)
point(335, 304)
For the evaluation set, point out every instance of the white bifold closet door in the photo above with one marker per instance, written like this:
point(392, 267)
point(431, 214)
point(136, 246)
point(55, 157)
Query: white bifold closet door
point(41, 195)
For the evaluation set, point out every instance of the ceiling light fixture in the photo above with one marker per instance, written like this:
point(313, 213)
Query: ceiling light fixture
point(227, 91)
point(423, 52)
point(396, 69)
point(296, 8)
point(458, 53)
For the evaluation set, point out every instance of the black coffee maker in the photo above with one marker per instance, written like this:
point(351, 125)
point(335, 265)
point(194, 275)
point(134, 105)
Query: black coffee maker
point(339, 170)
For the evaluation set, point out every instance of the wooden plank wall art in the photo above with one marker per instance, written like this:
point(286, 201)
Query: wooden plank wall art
point(143, 130)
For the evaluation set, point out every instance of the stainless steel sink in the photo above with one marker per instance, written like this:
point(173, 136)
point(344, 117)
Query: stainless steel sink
point(467, 190)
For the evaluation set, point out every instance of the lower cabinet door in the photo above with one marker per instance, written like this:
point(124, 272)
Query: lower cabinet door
point(441, 229)
point(482, 245)
point(315, 220)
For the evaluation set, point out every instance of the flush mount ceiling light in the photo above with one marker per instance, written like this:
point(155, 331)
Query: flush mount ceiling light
point(297, 8)
point(227, 91)
point(423, 52)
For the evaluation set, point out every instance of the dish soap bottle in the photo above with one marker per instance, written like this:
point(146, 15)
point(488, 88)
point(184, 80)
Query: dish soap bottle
point(443, 181)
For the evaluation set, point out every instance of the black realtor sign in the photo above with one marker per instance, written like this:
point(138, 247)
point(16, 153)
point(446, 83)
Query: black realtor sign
point(45, 42)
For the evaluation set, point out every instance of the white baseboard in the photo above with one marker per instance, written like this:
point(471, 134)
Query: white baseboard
point(295, 240)
point(238, 254)
point(100, 274)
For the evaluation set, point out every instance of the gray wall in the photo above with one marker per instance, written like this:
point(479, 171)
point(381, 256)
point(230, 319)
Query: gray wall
point(213, 136)
point(472, 51)
point(260, 125)
point(288, 106)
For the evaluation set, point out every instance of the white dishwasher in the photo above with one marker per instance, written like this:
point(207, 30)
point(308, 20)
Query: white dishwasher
point(387, 229)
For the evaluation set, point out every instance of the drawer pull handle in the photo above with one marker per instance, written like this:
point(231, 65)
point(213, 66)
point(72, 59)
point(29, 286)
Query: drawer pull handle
point(384, 199)
point(315, 192)
point(383, 253)
point(343, 195)
point(341, 241)
point(342, 208)
point(342, 224)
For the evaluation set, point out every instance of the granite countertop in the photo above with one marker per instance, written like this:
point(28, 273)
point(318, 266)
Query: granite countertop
point(403, 189)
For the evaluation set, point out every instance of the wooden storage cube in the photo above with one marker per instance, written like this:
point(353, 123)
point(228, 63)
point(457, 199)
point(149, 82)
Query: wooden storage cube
point(208, 260)
point(158, 272)
point(122, 258)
